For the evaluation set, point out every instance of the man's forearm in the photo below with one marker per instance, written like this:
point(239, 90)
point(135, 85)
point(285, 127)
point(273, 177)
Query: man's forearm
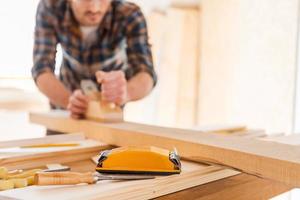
point(53, 89)
point(139, 86)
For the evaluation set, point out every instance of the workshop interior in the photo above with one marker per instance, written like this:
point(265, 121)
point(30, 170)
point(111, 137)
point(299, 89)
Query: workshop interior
point(220, 120)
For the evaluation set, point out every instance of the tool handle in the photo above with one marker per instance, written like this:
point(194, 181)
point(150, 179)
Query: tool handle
point(63, 178)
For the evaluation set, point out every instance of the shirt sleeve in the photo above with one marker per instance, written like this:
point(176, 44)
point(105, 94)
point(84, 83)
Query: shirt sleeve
point(139, 53)
point(45, 41)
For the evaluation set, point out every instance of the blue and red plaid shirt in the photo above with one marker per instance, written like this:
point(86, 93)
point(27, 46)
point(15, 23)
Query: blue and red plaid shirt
point(122, 43)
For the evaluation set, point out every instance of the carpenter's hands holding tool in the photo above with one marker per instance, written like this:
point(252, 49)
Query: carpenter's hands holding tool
point(113, 87)
point(78, 104)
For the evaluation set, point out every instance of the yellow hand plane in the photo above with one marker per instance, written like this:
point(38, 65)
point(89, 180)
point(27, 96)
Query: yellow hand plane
point(135, 160)
point(97, 109)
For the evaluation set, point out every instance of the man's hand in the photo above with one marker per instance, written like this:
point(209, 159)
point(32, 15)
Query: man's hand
point(78, 104)
point(113, 87)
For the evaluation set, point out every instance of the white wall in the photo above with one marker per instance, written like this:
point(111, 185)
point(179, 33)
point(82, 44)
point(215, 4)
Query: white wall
point(17, 20)
point(248, 56)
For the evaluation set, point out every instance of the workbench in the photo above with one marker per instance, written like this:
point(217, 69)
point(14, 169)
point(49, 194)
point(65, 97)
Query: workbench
point(220, 183)
point(241, 186)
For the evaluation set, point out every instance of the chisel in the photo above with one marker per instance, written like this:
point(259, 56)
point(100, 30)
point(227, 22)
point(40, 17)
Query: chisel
point(73, 178)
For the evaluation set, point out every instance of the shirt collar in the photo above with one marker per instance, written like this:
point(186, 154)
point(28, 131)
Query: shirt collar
point(107, 18)
point(69, 19)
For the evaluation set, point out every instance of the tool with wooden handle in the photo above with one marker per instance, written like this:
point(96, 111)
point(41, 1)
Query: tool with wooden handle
point(97, 109)
point(16, 178)
point(20, 178)
point(73, 178)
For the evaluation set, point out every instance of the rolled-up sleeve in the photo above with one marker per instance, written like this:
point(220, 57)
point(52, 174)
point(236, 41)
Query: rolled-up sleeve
point(45, 41)
point(139, 53)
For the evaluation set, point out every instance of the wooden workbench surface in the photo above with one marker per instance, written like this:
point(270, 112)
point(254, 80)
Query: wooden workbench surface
point(78, 157)
point(239, 187)
point(266, 159)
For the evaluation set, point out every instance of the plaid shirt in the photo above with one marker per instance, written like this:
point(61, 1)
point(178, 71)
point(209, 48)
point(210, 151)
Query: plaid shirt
point(122, 43)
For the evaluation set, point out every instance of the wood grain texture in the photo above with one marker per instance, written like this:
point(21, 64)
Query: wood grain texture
point(237, 187)
point(193, 174)
point(179, 51)
point(240, 187)
point(245, 186)
point(280, 162)
point(63, 178)
point(103, 112)
point(43, 140)
point(189, 70)
point(19, 158)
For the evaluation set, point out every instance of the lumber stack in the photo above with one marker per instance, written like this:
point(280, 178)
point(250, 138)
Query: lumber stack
point(14, 157)
point(79, 159)
point(279, 162)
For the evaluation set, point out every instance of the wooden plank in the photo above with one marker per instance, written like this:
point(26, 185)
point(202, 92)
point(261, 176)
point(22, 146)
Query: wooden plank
point(266, 159)
point(20, 151)
point(20, 158)
point(243, 185)
point(43, 140)
point(240, 187)
point(103, 112)
point(222, 129)
point(193, 174)
point(170, 53)
point(289, 139)
point(188, 59)
point(179, 49)
point(41, 160)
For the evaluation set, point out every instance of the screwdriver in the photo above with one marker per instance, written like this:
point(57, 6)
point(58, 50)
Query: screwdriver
point(73, 178)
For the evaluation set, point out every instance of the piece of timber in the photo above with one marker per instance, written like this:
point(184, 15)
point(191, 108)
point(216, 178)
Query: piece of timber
point(193, 174)
point(18, 158)
point(238, 187)
point(279, 162)
point(222, 129)
point(104, 112)
point(43, 140)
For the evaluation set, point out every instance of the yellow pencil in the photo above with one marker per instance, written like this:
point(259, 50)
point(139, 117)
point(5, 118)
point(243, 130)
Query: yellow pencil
point(51, 145)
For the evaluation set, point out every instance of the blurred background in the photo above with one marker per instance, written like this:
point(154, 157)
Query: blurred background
point(218, 62)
